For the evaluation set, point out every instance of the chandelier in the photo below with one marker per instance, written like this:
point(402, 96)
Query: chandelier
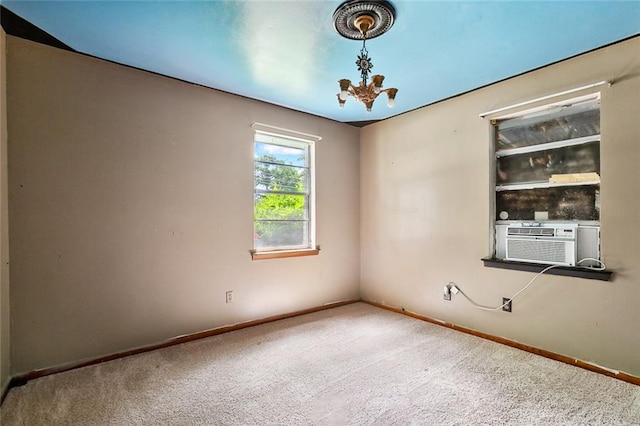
point(362, 20)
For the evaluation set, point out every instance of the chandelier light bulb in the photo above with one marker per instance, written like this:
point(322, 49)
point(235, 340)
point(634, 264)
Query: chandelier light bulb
point(391, 94)
point(377, 80)
point(369, 105)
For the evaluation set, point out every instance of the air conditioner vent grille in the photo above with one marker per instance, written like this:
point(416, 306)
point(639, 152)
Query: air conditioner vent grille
point(540, 251)
point(532, 231)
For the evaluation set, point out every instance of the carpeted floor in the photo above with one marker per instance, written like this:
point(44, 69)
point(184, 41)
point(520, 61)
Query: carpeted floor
point(353, 365)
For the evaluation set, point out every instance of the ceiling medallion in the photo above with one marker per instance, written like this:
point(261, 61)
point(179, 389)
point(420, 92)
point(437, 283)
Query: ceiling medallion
point(362, 20)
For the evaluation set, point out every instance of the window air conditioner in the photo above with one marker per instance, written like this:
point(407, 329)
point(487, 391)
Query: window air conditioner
point(553, 244)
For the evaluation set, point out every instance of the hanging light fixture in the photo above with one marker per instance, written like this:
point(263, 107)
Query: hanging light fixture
point(363, 20)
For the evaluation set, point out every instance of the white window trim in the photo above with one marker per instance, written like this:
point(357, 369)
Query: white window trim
point(541, 99)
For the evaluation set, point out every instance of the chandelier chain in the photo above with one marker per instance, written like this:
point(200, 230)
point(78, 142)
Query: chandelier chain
point(364, 63)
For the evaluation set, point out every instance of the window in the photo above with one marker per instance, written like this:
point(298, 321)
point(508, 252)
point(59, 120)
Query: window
point(283, 194)
point(547, 174)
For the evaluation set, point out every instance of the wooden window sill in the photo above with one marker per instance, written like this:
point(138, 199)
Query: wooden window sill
point(568, 271)
point(263, 255)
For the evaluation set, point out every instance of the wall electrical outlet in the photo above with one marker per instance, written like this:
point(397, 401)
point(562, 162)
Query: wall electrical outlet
point(229, 296)
point(447, 292)
point(506, 302)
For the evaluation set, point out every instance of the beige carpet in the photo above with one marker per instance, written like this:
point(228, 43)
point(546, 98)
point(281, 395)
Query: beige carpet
point(354, 365)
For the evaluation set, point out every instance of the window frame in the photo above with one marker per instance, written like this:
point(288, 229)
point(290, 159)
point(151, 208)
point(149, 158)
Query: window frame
point(293, 139)
point(495, 187)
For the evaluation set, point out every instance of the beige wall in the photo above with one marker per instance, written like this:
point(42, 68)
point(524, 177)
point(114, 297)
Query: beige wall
point(131, 209)
point(425, 202)
point(4, 229)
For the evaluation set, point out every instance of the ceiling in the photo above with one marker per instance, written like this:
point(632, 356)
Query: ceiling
point(287, 52)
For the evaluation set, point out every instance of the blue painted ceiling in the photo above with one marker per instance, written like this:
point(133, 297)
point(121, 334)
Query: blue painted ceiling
point(287, 52)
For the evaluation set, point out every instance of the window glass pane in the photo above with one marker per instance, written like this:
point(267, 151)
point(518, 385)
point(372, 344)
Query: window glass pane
point(281, 234)
point(540, 165)
point(280, 178)
point(561, 123)
point(280, 154)
point(281, 207)
point(560, 203)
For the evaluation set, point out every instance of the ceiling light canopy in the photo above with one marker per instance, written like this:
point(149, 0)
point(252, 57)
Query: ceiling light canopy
point(362, 20)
